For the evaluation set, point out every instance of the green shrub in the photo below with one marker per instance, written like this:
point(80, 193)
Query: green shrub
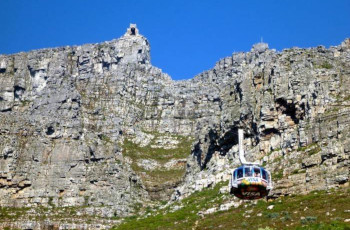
point(308, 220)
point(266, 228)
point(326, 65)
point(272, 215)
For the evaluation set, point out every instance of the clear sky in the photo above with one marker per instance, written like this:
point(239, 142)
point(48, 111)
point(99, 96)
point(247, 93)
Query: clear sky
point(186, 37)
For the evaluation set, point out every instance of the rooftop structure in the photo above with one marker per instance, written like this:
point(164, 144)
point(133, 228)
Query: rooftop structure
point(132, 30)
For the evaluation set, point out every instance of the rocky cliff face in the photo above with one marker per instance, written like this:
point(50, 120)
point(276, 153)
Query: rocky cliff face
point(98, 126)
point(294, 107)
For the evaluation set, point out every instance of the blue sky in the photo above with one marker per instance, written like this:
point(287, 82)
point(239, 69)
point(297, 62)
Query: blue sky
point(186, 37)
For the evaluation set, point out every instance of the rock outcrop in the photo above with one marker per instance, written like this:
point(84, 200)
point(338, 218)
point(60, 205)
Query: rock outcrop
point(294, 107)
point(68, 116)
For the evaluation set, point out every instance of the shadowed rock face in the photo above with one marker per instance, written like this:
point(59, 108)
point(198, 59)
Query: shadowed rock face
point(66, 114)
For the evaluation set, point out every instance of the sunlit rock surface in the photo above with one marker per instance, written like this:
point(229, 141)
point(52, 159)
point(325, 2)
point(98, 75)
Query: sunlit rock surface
point(67, 114)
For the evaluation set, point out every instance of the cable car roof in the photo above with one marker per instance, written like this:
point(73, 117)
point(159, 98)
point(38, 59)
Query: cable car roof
point(248, 166)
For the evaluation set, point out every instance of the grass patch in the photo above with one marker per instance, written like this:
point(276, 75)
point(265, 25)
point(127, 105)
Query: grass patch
point(316, 210)
point(340, 99)
point(302, 149)
point(315, 150)
point(309, 219)
point(163, 176)
point(41, 213)
point(105, 138)
point(277, 159)
point(275, 150)
point(160, 175)
point(311, 149)
point(332, 110)
point(333, 225)
point(11, 213)
point(323, 65)
point(326, 65)
point(277, 175)
point(291, 212)
point(25, 102)
point(183, 218)
point(298, 171)
point(161, 155)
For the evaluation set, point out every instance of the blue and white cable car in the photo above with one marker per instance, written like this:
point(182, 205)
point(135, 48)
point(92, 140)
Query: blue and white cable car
point(249, 181)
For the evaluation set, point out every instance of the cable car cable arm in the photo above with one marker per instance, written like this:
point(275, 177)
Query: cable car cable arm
point(241, 150)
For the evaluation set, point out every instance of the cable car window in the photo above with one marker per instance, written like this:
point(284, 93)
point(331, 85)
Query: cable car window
point(239, 173)
point(247, 172)
point(264, 175)
point(257, 172)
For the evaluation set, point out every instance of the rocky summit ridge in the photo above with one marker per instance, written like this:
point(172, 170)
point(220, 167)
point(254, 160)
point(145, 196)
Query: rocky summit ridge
point(98, 127)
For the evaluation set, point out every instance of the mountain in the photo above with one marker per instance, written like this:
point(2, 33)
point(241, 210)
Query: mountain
point(97, 133)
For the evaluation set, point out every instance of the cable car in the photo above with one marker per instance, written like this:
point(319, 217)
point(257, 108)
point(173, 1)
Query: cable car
point(249, 181)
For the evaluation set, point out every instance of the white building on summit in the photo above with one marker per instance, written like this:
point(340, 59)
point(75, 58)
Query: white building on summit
point(132, 30)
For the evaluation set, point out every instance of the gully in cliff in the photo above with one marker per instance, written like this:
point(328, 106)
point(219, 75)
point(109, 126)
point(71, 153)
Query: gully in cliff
point(249, 181)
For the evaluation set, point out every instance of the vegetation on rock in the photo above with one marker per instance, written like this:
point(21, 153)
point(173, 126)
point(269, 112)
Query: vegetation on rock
point(316, 210)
